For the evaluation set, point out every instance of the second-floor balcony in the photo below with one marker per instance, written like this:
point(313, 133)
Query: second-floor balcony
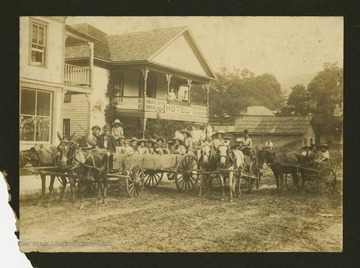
point(77, 76)
point(175, 110)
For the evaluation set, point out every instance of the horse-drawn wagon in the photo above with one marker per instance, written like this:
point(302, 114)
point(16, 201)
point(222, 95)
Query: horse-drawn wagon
point(313, 177)
point(300, 172)
point(149, 169)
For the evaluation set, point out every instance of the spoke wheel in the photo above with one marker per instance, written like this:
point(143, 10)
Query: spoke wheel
point(326, 181)
point(135, 181)
point(186, 175)
point(152, 178)
point(293, 184)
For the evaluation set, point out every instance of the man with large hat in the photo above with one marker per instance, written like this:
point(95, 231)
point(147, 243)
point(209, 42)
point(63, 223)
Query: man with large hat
point(324, 155)
point(142, 149)
point(117, 131)
point(305, 150)
point(187, 140)
point(92, 138)
point(134, 143)
point(218, 139)
point(178, 147)
point(159, 146)
point(246, 142)
point(106, 140)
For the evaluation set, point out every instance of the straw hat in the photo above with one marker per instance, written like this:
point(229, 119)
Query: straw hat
point(187, 132)
point(161, 139)
point(324, 145)
point(117, 121)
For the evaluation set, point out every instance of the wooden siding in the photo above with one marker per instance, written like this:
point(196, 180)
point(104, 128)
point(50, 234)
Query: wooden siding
point(78, 112)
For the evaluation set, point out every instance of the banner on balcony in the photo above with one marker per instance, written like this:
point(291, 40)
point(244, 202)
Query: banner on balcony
point(177, 109)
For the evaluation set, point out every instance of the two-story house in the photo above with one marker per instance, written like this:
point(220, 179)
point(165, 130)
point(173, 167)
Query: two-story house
point(145, 68)
point(46, 82)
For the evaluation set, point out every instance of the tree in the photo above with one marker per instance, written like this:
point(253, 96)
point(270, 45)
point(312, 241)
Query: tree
point(326, 90)
point(110, 109)
point(297, 103)
point(235, 90)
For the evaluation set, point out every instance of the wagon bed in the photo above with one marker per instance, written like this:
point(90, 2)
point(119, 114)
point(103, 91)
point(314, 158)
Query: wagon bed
point(317, 177)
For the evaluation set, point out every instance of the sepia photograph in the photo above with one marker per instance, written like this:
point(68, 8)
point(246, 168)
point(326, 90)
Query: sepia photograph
point(181, 134)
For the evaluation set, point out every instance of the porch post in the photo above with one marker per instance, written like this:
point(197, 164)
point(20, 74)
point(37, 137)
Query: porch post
point(207, 86)
point(145, 75)
point(91, 62)
point(189, 86)
point(168, 78)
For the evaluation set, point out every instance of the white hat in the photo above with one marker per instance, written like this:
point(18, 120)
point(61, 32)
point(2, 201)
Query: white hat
point(117, 121)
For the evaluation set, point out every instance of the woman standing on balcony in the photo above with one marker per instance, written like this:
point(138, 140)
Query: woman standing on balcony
point(117, 131)
point(171, 95)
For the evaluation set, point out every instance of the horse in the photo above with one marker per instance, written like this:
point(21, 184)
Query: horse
point(44, 156)
point(256, 158)
point(206, 157)
point(229, 161)
point(283, 163)
point(84, 165)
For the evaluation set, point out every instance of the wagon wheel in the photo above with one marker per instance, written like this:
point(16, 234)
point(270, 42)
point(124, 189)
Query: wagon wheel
point(152, 178)
point(326, 180)
point(135, 181)
point(186, 175)
point(292, 184)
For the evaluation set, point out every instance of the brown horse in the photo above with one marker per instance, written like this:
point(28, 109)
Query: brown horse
point(44, 156)
point(86, 166)
point(283, 163)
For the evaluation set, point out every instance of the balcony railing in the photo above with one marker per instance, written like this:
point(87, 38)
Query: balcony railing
point(161, 106)
point(76, 76)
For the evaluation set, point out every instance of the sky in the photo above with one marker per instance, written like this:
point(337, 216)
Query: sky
point(283, 46)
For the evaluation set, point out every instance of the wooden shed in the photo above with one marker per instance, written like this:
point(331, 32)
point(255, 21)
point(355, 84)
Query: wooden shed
point(289, 132)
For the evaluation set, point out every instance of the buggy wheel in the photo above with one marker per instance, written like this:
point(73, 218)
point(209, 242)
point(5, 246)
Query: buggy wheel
point(186, 175)
point(135, 181)
point(152, 178)
point(292, 184)
point(326, 180)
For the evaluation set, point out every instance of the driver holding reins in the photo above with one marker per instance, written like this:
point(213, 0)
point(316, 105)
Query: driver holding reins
point(246, 143)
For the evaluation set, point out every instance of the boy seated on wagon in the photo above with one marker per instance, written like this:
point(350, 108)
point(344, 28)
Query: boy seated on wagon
point(158, 146)
point(323, 159)
point(134, 144)
point(120, 149)
point(127, 148)
point(150, 145)
point(142, 149)
point(178, 147)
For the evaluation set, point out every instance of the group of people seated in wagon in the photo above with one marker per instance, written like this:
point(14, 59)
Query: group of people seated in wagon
point(112, 140)
point(316, 154)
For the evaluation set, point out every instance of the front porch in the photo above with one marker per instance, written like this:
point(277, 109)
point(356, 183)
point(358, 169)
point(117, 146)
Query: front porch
point(161, 109)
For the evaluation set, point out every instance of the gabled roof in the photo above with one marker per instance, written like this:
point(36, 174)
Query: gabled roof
point(101, 48)
point(141, 45)
point(296, 125)
point(136, 46)
point(257, 111)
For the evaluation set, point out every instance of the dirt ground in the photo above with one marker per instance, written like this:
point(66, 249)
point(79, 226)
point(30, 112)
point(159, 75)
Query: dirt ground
point(162, 219)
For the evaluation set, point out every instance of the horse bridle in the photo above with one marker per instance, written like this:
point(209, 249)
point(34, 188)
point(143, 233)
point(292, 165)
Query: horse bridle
point(72, 159)
point(227, 157)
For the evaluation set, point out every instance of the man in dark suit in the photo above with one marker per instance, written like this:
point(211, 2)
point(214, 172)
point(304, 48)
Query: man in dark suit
point(106, 141)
